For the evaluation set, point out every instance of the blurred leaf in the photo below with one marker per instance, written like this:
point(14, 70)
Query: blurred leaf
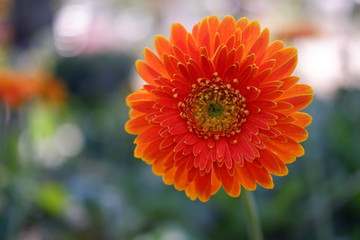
point(52, 197)
point(42, 122)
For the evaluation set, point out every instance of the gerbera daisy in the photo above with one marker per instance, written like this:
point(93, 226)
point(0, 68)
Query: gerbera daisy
point(220, 108)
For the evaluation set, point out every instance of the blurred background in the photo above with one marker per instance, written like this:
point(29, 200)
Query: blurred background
point(67, 169)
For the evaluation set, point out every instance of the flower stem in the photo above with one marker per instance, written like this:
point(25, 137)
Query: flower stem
point(254, 225)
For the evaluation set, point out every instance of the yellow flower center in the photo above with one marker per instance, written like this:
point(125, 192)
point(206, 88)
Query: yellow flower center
point(214, 109)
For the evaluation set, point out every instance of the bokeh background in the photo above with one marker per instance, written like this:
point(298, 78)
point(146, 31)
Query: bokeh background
point(66, 164)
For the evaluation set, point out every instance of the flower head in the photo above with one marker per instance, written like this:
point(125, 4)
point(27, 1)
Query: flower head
point(220, 108)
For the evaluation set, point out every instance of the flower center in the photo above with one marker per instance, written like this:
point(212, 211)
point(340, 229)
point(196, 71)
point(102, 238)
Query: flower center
point(213, 108)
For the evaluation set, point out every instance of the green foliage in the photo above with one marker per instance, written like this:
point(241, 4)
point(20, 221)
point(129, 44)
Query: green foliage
point(52, 198)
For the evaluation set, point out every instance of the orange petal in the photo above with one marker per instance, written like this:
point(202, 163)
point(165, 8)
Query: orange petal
point(149, 135)
point(236, 155)
point(153, 61)
point(178, 36)
point(136, 125)
point(268, 160)
point(246, 177)
point(284, 157)
point(284, 70)
point(170, 63)
point(146, 72)
point(302, 119)
point(180, 178)
point(149, 152)
point(236, 190)
point(288, 82)
point(215, 183)
point(158, 164)
point(203, 187)
point(167, 142)
point(142, 105)
point(220, 59)
point(162, 45)
point(273, 48)
point(298, 89)
point(139, 95)
point(190, 191)
point(226, 28)
point(193, 47)
point(292, 131)
point(179, 128)
point(242, 23)
point(213, 22)
point(203, 35)
point(262, 176)
point(299, 102)
point(204, 158)
point(290, 147)
point(207, 66)
point(261, 77)
point(260, 45)
point(250, 34)
point(226, 180)
point(139, 151)
point(284, 55)
point(169, 176)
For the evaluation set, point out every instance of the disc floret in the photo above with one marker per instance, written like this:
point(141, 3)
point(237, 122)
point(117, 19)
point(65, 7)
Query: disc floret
point(214, 108)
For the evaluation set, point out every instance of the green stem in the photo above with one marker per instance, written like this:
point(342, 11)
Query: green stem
point(254, 225)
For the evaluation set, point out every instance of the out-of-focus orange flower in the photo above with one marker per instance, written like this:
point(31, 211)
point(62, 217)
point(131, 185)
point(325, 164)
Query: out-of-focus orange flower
point(220, 108)
point(17, 88)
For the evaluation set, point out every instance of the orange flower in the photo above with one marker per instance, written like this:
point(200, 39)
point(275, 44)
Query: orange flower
point(220, 108)
point(16, 88)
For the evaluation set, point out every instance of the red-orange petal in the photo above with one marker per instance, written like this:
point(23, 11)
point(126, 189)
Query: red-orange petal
point(226, 28)
point(295, 132)
point(146, 72)
point(162, 45)
point(302, 119)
